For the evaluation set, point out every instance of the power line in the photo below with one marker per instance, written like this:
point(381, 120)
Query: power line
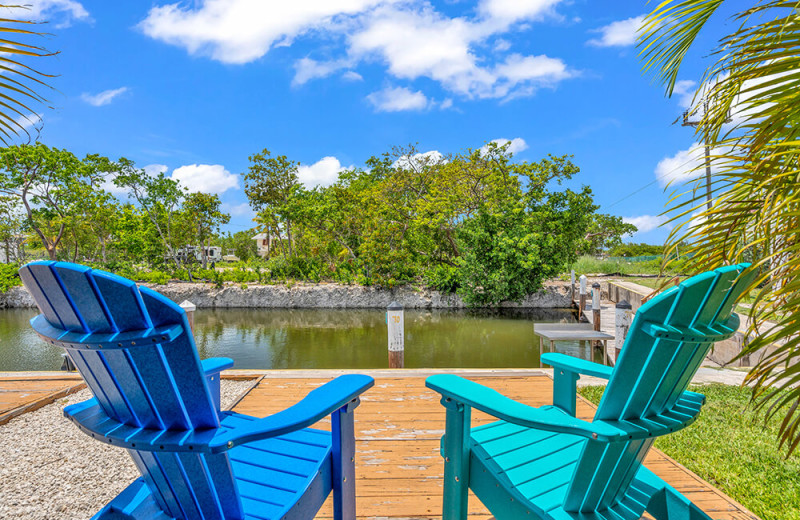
point(658, 178)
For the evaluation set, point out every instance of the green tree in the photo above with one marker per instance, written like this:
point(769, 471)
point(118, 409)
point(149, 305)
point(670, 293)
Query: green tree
point(51, 185)
point(510, 248)
point(159, 197)
point(271, 186)
point(11, 229)
point(755, 210)
point(604, 232)
point(202, 213)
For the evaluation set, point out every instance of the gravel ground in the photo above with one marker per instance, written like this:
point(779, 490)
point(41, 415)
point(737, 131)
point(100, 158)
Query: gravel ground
point(51, 470)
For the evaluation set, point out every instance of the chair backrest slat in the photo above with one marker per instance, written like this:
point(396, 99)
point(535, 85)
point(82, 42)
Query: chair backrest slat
point(649, 378)
point(158, 386)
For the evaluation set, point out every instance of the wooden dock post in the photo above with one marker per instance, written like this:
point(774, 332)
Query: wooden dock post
point(596, 308)
point(582, 302)
point(572, 285)
point(189, 307)
point(395, 323)
point(622, 322)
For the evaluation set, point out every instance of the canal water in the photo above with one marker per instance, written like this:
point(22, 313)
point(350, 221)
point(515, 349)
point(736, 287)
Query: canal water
point(330, 338)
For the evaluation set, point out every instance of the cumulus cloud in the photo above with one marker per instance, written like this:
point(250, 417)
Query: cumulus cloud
point(684, 166)
point(208, 178)
point(238, 210)
point(29, 121)
point(410, 37)
point(515, 145)
point(62, 12)
point(516, 10)
point(241, 31)
point(645, 223)
point(154, 169)
point(423, 43)
point(419, 160)
point(307, 69)
point(352, 75)
point(322, 173)
point(621, 33)
point(103, 98)
point(397, 99)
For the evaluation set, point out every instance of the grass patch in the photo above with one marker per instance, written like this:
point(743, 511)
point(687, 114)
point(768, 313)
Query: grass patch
point(731, 447)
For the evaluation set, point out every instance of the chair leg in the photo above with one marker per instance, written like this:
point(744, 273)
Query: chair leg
point(344, 471)
point(666, 502)
point(456, 460)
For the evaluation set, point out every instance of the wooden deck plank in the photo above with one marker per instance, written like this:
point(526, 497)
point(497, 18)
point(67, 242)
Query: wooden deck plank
point(24, 394)
point(398, 427)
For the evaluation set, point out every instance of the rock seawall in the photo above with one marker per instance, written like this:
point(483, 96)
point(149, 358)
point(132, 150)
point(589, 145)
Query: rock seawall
point(324, 295)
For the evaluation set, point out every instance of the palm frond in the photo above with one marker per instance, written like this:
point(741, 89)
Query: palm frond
point(20, 84)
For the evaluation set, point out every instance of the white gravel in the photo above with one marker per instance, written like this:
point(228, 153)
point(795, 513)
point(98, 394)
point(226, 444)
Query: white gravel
point(49, 469)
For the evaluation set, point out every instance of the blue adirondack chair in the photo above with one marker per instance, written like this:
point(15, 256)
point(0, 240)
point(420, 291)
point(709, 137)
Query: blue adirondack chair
point(545, 463)
point(154, 397)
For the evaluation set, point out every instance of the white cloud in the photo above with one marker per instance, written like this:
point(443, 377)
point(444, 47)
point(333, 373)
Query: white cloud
point(154, 169)
point(103, 98)
point(501, 45)
point(684, 89)
point(397, 99)
point(423, 43)
point(307, 69)
point(516, 10)
point(515, 145)
point(238, 210)
point(151, 169)
point(419, 160)
point(322, 173)
point(63, 12)
point(352, 75)
point(208, 178)
point(645, 223)
point(447, 103)
point(29, 121)
point(687, 165)
point(621, 33)
point(241, 31)
point(684, 166)
point(410, 37)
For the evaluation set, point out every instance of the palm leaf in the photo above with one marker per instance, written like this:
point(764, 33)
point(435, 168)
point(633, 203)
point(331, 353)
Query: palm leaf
point(20, 84)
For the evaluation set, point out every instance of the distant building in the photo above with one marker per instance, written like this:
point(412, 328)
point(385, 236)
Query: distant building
point(263, 244)
point(213, 253)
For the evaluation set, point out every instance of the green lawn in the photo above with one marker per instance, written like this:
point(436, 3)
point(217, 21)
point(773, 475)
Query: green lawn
point(732, 448)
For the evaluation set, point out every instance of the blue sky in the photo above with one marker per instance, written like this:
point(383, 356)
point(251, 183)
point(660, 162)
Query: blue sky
point(194, 88)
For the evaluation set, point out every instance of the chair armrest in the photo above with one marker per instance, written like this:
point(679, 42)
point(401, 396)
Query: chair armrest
point(211, 369)
point(319, 403)
point(497, 405)
point(579, 366)
point(565, 376)
point(216, 365)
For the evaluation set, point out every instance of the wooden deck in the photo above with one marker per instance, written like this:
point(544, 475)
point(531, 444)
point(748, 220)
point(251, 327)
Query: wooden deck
point(398, 427)
point(23, 393)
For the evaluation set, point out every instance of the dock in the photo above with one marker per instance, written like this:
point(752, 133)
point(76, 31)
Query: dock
point(398, 427)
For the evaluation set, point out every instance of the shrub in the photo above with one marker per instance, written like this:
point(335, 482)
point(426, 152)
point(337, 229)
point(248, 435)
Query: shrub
point(9, 277)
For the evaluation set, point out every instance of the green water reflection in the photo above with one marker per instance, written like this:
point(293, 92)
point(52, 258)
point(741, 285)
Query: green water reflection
point(330, 338)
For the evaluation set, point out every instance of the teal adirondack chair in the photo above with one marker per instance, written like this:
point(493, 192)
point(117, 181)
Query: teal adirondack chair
point(545, 463)
point(154, 397)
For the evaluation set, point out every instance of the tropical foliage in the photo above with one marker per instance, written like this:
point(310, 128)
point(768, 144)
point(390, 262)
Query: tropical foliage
point(749, 109)
point(20, 84)
point(477, 222)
